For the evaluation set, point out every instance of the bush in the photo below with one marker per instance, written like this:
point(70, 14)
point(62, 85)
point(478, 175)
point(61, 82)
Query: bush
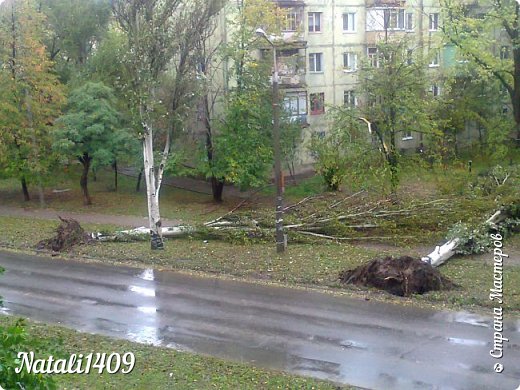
point(14, 339)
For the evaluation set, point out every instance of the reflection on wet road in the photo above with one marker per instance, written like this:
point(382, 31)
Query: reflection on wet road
point(366, 344)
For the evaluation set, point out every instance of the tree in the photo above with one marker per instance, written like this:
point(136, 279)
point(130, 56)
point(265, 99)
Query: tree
point(488, 34)
point(395, 101)
point(158, 41)
point(75, 28)
point(238, 118)
point(31, 93)
point(90, 130)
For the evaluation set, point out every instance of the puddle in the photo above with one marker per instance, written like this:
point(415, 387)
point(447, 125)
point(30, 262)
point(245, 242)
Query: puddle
point(144, 291)
point(470, 342)
point(147, 309)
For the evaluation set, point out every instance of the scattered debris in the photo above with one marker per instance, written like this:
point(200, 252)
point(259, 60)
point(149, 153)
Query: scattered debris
point(68, 234)
point(402, 276)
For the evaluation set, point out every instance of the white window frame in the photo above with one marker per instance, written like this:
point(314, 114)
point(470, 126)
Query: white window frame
point(397, 15)
point(435, 90)
point(291, 21)
point(350, 61)
point(315, 16)
point(315, 59)
point(435, 62)
point(409, 21)
point(350, 99)
point(349, 21)
point(434, 21)
point(407, 135)
point(373, 56)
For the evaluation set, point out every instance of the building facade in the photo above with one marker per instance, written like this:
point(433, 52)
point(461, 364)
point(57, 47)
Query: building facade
point(325, 42)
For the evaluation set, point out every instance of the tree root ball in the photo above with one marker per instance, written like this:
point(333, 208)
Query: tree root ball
point(402, 276)
point(68, 234)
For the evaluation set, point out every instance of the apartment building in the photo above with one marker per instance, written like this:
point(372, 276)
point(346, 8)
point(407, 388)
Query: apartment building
point(326, 43)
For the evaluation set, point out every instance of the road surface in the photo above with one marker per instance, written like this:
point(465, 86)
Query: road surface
point(366, 344)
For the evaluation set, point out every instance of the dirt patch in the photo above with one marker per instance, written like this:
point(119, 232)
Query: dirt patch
point(402, 276)
point(68, 234)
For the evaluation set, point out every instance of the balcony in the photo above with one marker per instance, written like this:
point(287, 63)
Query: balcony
point(291, 68)
point(385, 3)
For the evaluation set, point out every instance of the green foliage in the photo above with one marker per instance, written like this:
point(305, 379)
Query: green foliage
point(14, 339)
point(91, 126)
point(396, 101)
point(346, 152)
point(31, 95)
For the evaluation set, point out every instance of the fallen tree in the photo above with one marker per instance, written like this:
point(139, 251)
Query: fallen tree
point(68, 234)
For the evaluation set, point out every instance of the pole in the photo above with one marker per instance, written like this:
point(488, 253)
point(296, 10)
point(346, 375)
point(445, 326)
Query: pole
point(280, 237)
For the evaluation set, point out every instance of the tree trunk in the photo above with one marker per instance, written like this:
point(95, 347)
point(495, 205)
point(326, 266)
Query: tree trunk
point(114, 165)
point(217, 188)
point(25, 191)
point(152, 191)
point(139, 178)
point(85, 161)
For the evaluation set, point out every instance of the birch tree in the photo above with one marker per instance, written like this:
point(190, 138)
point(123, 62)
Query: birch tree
point(161, 39)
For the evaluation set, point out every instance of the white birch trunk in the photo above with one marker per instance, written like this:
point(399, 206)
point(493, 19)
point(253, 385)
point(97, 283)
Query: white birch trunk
point(443, 253)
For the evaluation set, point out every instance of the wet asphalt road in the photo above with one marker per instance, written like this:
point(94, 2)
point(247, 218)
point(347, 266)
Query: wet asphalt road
point(367, 344)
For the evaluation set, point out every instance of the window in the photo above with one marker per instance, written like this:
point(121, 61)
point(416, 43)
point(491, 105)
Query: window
point(434, 22)
point(349, 61)
point(349, 98)
point(373, 57)
point(435, 61)
point(317, 101)
point(435, 90)
point(349, 22)
point(394, 19)
point(505, 52)
point(292, 19)
point(315, 62)
point(409, 21)
point(407, 135)
point(314, 21)
point(295, 104)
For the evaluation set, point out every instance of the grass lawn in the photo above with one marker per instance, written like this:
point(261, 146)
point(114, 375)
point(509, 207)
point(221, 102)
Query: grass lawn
point(304, 264)
point(156, 367)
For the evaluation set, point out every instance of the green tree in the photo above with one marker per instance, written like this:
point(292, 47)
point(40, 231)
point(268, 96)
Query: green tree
point(395, 100)
point(91, 130)
point(488, 34)
point(238, 119)
point(74, 29)
point(31, 94)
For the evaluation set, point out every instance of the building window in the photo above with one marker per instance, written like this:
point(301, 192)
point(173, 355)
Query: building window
point(407, 135)
point(394, 19)
point(349, 22)
point(436, 59)
point(505, 52)
point(373, 57)
point(434, 22)
point(292, 20)
point(435, 90)
point(349, 99)
point(317, 101)
point(349, 61)
point(295, 104)
point(409, 21)
point(314, 21)
point(315, 62)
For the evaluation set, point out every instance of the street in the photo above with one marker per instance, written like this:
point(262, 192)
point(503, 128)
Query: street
point(363, 343)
